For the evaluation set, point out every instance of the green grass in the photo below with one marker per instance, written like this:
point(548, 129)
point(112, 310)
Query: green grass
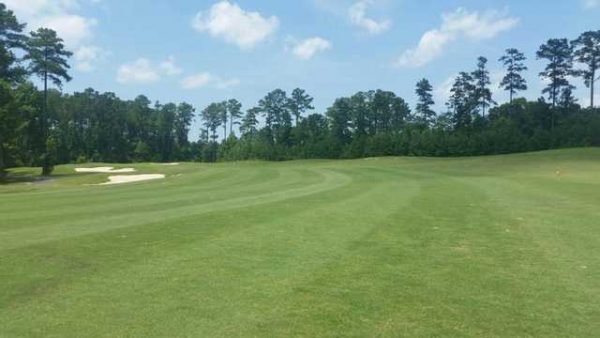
point(503, 246)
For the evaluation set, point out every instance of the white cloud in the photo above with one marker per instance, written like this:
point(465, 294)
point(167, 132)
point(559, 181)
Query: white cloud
point(59, 15)
point(140, 71)
point(26, 9)
point(207, 79)
point(442, 92)
point(196, 81)
point(589, 4)
point(144, 71)
point(73, 29)
point(169, 67)
point(308, 48)
point(228, 21)
point(456, 25)
point(225, 84)
point(86, 57)
point(358, 16)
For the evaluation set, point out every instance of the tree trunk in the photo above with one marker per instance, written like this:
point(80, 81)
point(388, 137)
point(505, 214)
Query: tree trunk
point(2, 172)
point(46, 166)
point(592, 89)
point(554, 95)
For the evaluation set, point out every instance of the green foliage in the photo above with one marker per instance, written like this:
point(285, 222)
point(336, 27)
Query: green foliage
point(463, 101)
point(482, 93)
point(559, 54)
point(234, 111)
point(587, 52)
point(513, 81)
point(299, 103)
point(47, 59)
point(12, 40)
point(424, 114)
point(213, 118)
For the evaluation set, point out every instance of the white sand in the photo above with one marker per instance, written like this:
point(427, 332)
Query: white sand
point(171, 164)
point(105, 170)
point(132, 178)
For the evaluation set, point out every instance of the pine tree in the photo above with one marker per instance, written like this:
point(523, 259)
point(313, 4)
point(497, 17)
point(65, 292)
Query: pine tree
point(481, 77)
point(425, 114)
point(587, 52)
point(48, 60)
point(559, 54)
point(513, 82)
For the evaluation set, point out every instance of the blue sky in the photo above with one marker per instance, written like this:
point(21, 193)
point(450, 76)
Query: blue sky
point(204, 51)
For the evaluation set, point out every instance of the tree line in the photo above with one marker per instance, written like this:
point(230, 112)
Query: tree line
point(379, 123)
point(43, 127)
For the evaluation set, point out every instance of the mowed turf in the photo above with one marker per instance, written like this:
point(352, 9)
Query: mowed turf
point(505, 246)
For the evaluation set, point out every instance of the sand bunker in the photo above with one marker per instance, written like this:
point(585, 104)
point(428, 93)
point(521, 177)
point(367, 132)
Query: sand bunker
point(171, 164)
point(105, 170)
point(132, 178)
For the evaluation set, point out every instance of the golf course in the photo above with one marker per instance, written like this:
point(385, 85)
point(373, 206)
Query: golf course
point(499, 246)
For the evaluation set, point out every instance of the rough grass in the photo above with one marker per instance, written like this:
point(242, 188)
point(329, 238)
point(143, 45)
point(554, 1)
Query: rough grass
point(501, 246)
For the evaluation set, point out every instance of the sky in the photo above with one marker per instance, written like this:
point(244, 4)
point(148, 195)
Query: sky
point(206, 51)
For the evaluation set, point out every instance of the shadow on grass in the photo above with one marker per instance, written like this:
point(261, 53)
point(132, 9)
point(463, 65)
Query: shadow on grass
point(29, 178)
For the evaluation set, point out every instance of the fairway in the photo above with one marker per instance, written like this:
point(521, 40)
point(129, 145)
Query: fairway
point(501, 246)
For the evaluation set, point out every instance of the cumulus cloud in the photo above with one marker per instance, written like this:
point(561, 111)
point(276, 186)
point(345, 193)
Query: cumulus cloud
point(60, 15)
point(32, 8)
point(169, 67)
point(196, 81)
point(73, 29)
point(207, 79)
point(225, 84)
point(231, 23)
point(456, 25)
point(358, 16)
point(308, 48)
point(86, 58)
point(139, 71)
point(144, 71)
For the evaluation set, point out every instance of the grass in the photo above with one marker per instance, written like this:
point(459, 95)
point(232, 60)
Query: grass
point(501, 246)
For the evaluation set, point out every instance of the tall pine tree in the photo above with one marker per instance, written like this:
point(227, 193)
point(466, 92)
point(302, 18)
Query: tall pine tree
point(48, 60)
point(559, 54)
point(513, 81)
point(587, 52)
point(425, 115)
point(481, 77)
